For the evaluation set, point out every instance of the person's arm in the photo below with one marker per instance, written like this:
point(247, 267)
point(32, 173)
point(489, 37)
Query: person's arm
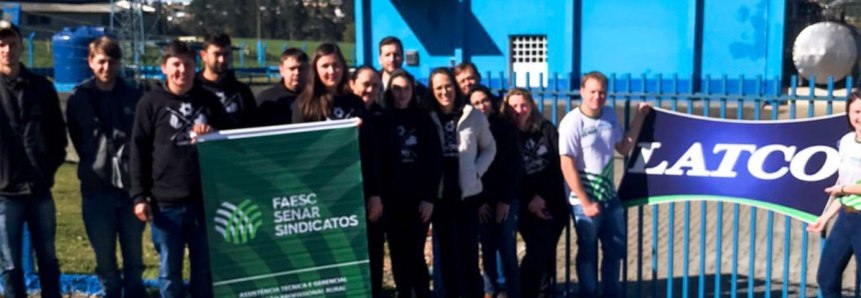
point(141, 160)
point(831, 209)
point(80, 117)
point(250, 115)
point(511, 164)
point(55, 131)
point(486, 145)
point(624, 147)
point(844, 189)
point(572, 179)
point(432, 155)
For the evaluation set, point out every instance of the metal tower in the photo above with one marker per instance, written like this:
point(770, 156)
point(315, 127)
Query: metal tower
point(127, 23)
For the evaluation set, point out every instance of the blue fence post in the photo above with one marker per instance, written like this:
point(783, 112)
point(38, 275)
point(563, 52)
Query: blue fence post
point(830, 96)
point(735, 210)
point(541, 88)
point(242, 54)
point(687, 216)
point(30, 60)
point(261, 53)
point(671, 221)
point(719, 221)
point(706, 90)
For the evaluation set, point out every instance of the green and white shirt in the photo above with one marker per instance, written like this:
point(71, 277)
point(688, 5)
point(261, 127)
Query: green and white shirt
point(850, 168)
point(591, 143)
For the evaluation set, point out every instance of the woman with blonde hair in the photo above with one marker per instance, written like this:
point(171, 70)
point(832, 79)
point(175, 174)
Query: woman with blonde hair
point(542, 192)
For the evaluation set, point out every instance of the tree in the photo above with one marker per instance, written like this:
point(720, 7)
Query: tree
point(279, 19)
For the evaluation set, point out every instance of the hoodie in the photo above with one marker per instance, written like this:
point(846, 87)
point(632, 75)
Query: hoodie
point(164, 162)
point(235, 96)
point(100, 126)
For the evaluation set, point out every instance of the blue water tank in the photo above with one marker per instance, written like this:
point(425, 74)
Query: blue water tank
point(70, 48)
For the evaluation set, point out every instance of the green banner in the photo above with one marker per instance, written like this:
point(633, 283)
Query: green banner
point(285, 211)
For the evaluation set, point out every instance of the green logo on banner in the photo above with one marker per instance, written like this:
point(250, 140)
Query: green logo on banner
point(238, 223)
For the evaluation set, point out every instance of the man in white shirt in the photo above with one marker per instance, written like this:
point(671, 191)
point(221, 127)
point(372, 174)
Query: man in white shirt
point(587, 137)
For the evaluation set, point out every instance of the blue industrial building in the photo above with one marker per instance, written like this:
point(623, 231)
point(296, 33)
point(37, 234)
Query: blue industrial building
point(690, 39)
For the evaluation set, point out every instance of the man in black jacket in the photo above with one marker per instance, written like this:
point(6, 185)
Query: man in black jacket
point(100, 114)
point(32, 148)
point(275, 104)
point(391, 58)
point(216, 77)
point(166, 186)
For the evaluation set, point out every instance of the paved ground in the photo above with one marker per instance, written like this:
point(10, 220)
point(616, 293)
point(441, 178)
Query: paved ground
point(655, 279)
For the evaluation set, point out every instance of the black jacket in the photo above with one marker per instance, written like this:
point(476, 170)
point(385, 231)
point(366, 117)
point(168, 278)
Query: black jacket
point(543, 173)
point(379, 149)
point(235, 96)
point(32, 134)
point(418, 159)
point(346, 106)
point(502, 180)
point(164, 163)
point(275, 105)
point(101, 130)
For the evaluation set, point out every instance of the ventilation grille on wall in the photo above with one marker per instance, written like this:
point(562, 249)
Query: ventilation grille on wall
point(528, 49)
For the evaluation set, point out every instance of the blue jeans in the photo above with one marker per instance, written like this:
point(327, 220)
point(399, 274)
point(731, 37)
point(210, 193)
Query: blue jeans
point(438, 285)
point(172, 229)
point(842, 242)
point(609, 227)
point(39, 213)
point(109, 215)
point(498, 240)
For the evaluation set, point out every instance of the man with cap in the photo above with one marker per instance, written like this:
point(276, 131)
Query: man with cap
point(32, 148)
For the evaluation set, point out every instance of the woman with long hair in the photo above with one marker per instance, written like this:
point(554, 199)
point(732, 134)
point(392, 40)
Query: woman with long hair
point(327, 96)
point(500, 207)
point(468, 149)
point(844, 239)
point(542, 193)
point(417, 159)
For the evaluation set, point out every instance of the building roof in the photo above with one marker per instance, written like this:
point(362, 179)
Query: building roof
point(55, 7)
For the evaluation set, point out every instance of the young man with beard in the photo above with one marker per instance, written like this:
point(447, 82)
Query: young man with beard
point(100, 112)
point(391, 58)
point(275, 104)
point(32, 148)
point(218, 78)
point(166, 186)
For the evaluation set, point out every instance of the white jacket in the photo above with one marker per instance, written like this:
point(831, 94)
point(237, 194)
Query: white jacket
point(476, 146)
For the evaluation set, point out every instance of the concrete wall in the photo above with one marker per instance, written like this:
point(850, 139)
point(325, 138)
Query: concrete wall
point(685, 38)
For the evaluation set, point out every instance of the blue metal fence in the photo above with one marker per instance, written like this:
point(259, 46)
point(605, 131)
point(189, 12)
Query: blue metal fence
point(722, 96)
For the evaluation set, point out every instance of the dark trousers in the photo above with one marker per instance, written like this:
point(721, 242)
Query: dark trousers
point(39, 213)
point(538, 268)
point(407, 236)
point(842, 242)
point(108, 217)
point(499, 253)
point(376, 243)
point(457, 223)
point(172, 229)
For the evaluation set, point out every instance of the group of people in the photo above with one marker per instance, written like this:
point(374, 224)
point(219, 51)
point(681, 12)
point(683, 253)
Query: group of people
point(451, 154)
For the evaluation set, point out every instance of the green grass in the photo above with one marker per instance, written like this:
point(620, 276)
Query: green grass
point(42, 53)
point(73, 247)
point(274, 48)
